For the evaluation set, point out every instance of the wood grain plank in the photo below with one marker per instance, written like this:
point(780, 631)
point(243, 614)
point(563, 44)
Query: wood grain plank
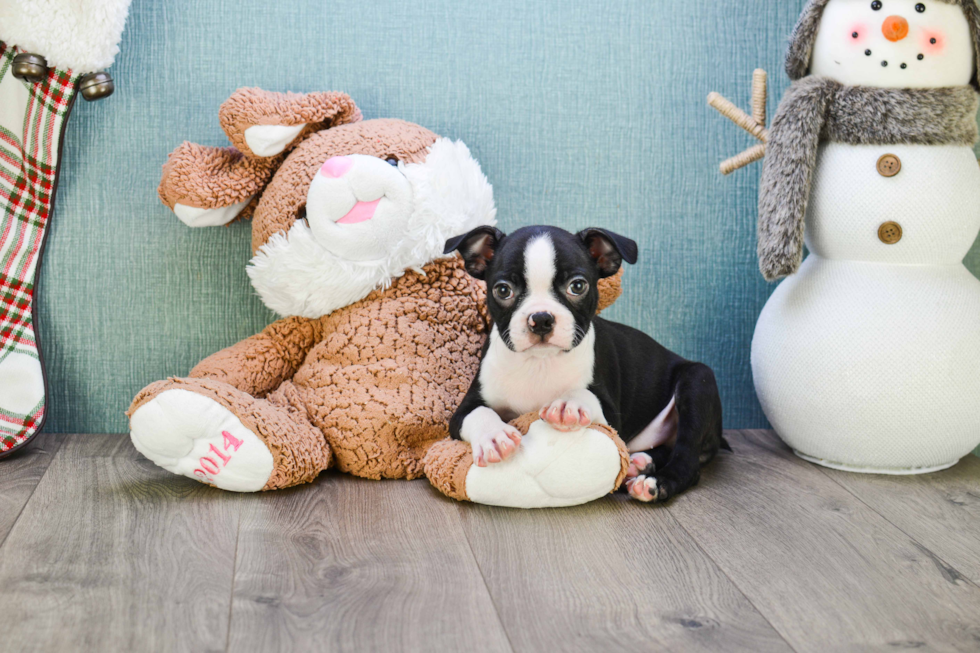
point(348, 564)
point(612, 575)
point(827, 571)
point(941, 510)
point(20, 474)
point(115, 554)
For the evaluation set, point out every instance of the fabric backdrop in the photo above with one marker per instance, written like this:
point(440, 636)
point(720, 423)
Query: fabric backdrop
point(581, 113)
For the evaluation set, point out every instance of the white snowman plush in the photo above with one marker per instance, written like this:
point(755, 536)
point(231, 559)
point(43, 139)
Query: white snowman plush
point(867, 357)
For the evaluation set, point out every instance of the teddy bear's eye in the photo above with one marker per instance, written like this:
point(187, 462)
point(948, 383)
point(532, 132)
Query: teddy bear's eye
point(921, 8)
point(392, 160)
point(876, 5)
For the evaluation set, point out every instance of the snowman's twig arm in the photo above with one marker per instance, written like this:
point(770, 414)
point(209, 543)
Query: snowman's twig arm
point(759, 96)
point(737, 116)
point(738, 161)
point(754, 124)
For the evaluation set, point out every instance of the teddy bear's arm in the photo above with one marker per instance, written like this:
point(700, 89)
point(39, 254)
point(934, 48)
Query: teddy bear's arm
point(260, 364)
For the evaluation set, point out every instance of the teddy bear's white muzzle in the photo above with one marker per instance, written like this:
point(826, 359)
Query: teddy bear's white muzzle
point(357, 206)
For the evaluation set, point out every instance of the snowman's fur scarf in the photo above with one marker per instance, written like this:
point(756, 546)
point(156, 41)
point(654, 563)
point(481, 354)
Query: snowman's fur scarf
point(295, 275)
point(805, 34)
point(817, 109)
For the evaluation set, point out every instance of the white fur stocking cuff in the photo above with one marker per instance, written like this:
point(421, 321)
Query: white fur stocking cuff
point(78, 35)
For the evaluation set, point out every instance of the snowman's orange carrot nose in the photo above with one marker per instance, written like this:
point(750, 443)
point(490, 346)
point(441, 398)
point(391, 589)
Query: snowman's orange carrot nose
point(895, 28)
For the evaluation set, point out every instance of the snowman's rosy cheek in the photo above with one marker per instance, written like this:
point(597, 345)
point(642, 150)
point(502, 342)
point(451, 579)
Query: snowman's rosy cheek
point(858, 33)
point(932, 42)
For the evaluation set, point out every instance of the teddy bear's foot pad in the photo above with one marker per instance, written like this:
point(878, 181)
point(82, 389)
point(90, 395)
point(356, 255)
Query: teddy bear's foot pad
point(194, 436)
point(550, 469)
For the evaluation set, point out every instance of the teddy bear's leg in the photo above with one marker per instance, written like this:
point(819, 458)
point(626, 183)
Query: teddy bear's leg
point(210, 431)
point(265, 123)
point(551, 468)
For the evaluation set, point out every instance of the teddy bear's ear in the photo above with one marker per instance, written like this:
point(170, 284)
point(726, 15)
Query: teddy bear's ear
point(263, 124)
point(210, 186)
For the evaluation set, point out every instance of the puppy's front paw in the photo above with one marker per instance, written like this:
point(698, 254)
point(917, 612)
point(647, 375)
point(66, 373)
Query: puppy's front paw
point(496, 446)
point(640, 463)
point(644, 488)
point(566, 415)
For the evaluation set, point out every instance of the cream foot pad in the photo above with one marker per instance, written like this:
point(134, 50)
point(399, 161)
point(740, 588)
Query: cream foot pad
point(192, 435)
point(550, 469)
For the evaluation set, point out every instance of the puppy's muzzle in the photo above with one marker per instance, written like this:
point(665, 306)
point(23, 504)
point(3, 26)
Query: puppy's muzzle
point(541, 324)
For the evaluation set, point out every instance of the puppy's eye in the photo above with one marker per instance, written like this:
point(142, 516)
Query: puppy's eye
point(503, 291)
point(921, 8)
point(392, 161)
point(876, 5)
point(577, 287)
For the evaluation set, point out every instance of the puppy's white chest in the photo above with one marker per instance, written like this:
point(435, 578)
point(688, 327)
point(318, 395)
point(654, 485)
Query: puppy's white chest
point(516, 383)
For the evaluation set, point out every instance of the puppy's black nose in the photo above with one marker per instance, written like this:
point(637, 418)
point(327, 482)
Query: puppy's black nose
point(541, 324)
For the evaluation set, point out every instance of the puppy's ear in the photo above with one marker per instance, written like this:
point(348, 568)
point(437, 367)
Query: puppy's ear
point(477, 248)
point(608, 250)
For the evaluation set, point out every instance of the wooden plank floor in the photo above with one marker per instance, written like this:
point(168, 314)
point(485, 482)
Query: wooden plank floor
point(102, 551)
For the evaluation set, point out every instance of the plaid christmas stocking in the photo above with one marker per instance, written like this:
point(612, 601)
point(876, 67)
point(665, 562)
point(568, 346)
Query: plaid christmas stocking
point(32, 123)
point(66, 46)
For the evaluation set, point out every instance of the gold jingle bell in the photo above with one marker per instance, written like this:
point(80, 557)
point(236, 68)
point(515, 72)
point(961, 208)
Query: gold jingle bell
point(31, 68)
point(95, 86)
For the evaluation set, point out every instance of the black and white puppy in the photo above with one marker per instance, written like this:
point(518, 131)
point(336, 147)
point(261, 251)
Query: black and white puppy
point(549, 352)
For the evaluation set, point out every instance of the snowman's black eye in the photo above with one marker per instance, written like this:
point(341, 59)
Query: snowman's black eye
point(921, 8)
point(392, 161)
point(876, 5)
point(933, 41)
point(854, 35)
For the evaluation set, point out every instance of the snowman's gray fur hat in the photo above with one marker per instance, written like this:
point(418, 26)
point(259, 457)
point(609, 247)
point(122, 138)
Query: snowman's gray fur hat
point(805, 33)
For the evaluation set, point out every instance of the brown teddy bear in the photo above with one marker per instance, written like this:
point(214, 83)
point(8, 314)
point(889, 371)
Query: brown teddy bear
point(381, 333)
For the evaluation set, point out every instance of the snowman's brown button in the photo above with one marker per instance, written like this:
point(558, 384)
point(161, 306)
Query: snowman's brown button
point(889, 165)
point(890, 233)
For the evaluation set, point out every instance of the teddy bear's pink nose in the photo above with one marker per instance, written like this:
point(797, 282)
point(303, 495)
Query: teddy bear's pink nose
point(336, 166)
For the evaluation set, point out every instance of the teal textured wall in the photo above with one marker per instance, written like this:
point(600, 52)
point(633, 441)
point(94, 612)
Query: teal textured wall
point(582, 113)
